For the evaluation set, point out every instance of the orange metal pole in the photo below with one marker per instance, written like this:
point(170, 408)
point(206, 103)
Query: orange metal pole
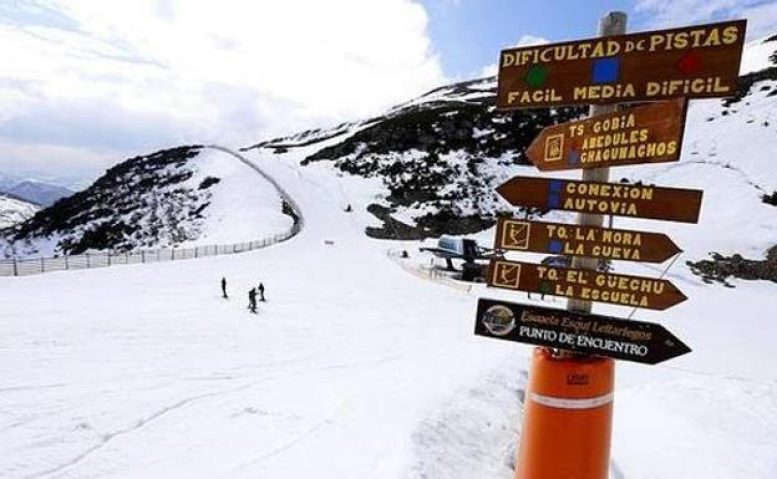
point(567, 418)
point(568, 408)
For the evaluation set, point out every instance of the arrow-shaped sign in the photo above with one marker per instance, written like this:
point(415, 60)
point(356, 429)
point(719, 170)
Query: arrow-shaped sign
point(636, 341)
point(621, 199)
point(586, 285)
point(647, 134)
point(577, 240)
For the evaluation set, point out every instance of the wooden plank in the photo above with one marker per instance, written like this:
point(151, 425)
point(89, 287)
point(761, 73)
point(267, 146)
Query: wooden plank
point(694, 62)
point(650, 133)
point(585, 285)
point(579, 240)
point(620, 199)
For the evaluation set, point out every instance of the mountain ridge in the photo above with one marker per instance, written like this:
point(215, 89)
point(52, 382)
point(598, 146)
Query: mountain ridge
point(164, 199)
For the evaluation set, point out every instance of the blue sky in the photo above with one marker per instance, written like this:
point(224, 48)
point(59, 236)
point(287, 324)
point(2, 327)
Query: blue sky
point(468, 34)
point(88, 83)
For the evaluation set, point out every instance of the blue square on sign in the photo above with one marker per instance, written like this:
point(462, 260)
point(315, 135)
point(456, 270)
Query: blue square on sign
point(554, 200)
point(556, 186)
point(606, 70)
point(555, 246)
point(573, 158)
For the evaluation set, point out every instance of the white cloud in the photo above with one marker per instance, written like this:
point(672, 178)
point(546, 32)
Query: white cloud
point(68, 166)
point(489, 70)
point(525, 41)
point(133, 75)
point(761, 15)
point(530, 40)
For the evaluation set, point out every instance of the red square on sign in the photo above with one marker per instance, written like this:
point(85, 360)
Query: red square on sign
point(689, 64)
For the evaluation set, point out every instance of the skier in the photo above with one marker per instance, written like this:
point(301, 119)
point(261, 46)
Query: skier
point(252, 300)
point(224, 287)
point(261, 292)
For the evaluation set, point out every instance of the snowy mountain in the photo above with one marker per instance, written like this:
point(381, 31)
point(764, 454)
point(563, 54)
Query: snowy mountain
point(438, 158)
point(38, 192)
point(181, 196)
point(8, 181)
point(32, 190)
point(14, 211)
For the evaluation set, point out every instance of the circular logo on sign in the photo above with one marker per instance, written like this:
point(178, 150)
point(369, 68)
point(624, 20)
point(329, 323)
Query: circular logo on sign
point(499, 320)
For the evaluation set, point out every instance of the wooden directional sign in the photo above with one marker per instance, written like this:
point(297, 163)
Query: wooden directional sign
point(637, 341)
point(695, 62)
point(651, 133)
point(621, 199)
point(585, 285)
point(576, 240)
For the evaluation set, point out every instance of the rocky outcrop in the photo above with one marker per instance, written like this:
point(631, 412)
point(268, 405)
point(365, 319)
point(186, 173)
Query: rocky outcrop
point(721, 268)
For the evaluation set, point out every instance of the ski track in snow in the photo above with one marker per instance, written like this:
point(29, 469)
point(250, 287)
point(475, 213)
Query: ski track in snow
point(139, 424)
point(145, 421)
point(285, 447)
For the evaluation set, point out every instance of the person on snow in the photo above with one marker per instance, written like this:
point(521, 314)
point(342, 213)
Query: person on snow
point(252, 300)
point(224, 287)
point(261, 292)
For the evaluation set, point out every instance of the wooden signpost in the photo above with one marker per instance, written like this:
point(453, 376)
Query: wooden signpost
point(583, 284)
point(636, 341)
point(620, 199)
point(693, 62)
point(577, 240)
point(568, 411)
point(647, 134)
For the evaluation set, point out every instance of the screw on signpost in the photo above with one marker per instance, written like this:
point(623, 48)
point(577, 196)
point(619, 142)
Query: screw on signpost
point(567, 421)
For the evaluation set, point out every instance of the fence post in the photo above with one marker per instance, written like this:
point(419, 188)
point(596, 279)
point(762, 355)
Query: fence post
point(109, 259)
point(88, 262)
point(196, 248)
point(173, 255)
point(15, 268)
point(143, 256)
point(41, 264)
point(67, 263)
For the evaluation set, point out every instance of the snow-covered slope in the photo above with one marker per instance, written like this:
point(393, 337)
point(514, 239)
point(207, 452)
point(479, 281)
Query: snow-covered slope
point(14, 211)
point(759, 54)
point(438, 158)
point(182, 196)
